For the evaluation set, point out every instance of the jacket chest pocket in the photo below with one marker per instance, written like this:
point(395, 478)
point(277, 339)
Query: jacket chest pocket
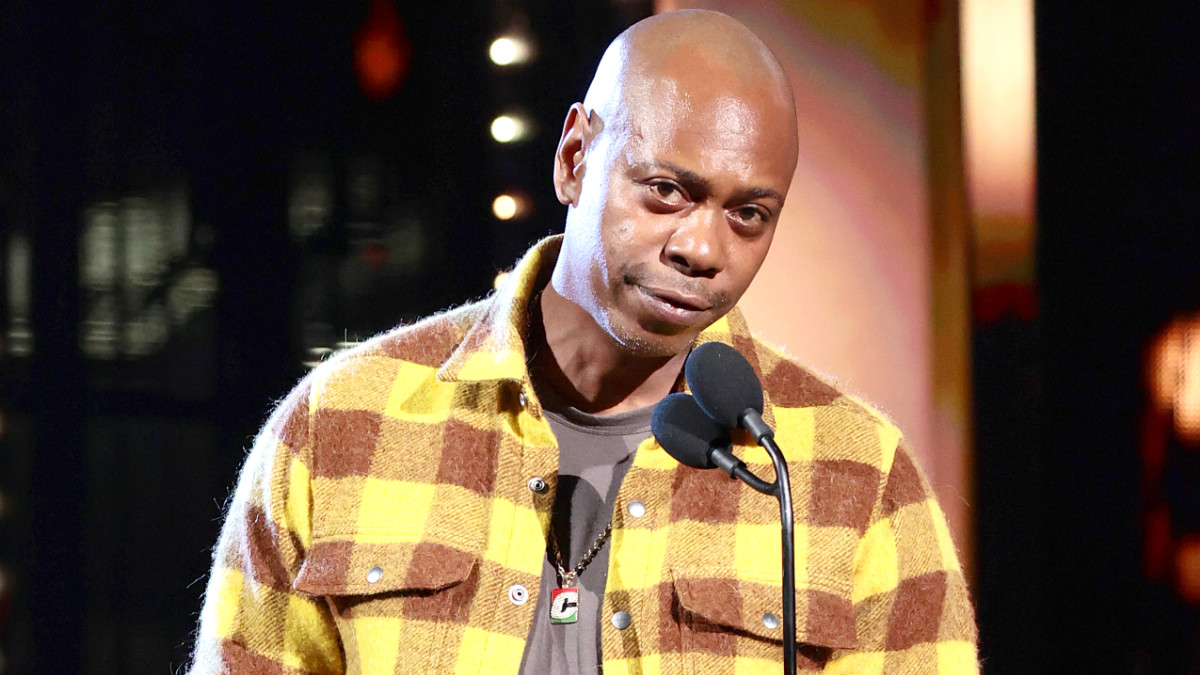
point(729, 620)
point(397, 603)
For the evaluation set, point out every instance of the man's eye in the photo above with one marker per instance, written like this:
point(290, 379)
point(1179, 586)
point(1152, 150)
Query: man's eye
point(750, 214)
point(668, 192)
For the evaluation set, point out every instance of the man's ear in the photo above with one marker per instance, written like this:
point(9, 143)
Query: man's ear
point(569, 159)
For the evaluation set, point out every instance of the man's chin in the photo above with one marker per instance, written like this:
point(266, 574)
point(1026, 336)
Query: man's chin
point(655, 342)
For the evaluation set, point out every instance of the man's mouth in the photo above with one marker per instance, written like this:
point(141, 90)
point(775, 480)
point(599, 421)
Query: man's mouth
point(684, 301)
point(672, 306)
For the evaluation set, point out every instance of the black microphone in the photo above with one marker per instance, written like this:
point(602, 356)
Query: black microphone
point(694, 439)
point(727, 388)
point(687, 434)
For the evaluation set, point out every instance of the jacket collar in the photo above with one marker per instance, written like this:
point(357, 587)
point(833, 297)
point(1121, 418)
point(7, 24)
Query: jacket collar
point(493, 349)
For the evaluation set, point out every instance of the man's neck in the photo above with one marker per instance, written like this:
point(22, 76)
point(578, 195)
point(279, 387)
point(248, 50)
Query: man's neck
point(587, 368)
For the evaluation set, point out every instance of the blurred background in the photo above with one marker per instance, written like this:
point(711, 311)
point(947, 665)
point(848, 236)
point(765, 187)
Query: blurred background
point(994, 234)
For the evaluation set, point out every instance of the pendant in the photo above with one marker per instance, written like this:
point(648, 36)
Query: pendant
point(564, 605)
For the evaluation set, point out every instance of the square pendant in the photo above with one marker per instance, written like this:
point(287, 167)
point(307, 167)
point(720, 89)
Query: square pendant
point(564, 605)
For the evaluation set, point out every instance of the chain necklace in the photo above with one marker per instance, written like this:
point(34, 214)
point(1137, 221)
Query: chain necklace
point(564, 600)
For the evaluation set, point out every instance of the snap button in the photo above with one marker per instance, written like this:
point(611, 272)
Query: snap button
point(523, 399)
point(637, 509)
point(621, 620)
point(770, 621)
point(537, 485)
point(518, 594)
point(375, 574)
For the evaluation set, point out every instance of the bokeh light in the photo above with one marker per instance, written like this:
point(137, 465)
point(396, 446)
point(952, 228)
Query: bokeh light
point(509, 50)
point(509, 128)
point(511, 206)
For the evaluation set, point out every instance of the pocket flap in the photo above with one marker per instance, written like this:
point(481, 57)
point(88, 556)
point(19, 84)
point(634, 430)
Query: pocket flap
point(741, 601)
point(343, 566)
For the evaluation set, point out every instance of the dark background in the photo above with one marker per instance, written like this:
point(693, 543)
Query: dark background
point(114, 470)
point(1058, 401)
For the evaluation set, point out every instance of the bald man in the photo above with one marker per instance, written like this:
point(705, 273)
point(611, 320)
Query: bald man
point(480, 492)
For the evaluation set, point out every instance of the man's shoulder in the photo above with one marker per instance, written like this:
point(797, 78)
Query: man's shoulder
point(791, 384)
point(368, 369)
point(818, 420)
point(428, 342)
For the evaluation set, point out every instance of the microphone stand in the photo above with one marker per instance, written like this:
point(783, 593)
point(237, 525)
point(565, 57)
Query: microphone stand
point(783, 492)
point(781, 489)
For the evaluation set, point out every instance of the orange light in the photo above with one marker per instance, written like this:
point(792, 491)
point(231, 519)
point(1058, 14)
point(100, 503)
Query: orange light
point(1164, 366)
point(381, 51)
point(1174, 378)
point(1187, 567)
point(1187, 394)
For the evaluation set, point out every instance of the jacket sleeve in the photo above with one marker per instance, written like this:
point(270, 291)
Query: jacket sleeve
point(252, 620)
point(912, 610)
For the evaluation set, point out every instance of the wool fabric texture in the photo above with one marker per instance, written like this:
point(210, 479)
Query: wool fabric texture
point(384, 512)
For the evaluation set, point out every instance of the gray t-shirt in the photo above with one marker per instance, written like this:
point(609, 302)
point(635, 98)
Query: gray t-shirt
point(595, 451)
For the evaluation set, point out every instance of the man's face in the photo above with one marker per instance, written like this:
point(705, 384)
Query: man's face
point(675, 214)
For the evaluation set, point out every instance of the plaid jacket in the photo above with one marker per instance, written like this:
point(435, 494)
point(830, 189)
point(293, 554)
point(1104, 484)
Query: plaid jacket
point(385, 512)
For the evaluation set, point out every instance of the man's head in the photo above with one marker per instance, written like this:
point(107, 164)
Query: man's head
point(674, 170)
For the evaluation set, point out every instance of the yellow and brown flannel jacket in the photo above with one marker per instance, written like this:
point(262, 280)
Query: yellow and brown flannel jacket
point(385, 512)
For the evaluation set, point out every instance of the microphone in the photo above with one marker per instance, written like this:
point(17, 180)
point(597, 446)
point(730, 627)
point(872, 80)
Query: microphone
point(727, 388)
point(694, 439)
point(689, 435)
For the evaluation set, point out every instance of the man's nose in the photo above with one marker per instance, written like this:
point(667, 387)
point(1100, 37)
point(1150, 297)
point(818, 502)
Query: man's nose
point(695, 247)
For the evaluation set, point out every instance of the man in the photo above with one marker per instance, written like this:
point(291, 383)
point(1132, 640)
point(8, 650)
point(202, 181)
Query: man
point(480, 493)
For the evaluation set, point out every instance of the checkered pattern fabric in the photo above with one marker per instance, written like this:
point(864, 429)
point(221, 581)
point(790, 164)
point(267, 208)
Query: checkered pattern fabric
point(385, 513)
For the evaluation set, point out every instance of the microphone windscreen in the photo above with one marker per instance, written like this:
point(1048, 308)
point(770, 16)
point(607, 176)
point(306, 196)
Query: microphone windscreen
point(685, 432)
point(723, 382)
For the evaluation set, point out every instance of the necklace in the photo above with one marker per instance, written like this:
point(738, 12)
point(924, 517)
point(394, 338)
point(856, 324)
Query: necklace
point(564, 600)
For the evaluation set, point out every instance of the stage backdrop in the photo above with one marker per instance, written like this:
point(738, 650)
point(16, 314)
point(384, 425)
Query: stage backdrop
point(867, 279)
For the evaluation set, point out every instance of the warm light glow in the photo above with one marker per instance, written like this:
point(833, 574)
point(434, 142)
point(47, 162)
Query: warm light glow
point(508, 128)
point(1187, 564)
point(504, 207)
point(1164, 365)
point(998, 102)
point(1187, 391)
point(499, 280)
point(509, 50)
point(999, 136)
point(381, 51)
point(508, 206)
point(1175, 376)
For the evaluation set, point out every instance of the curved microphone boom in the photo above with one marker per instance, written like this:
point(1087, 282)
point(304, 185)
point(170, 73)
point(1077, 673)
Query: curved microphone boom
point(696, 440)
point(726, 387)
